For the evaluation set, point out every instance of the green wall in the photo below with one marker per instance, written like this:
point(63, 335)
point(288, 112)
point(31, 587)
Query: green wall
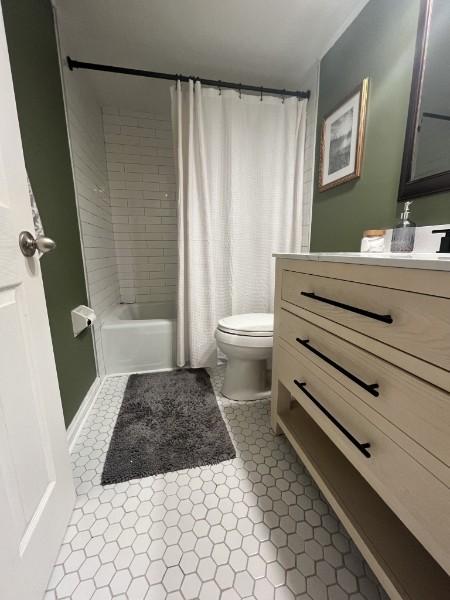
point(379, 44)
point(35, 68)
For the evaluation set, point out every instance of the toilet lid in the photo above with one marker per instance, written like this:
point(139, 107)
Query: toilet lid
point(251, 324)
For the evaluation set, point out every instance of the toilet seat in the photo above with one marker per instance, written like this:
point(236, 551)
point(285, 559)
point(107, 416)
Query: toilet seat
point(248, 325)
point(244, 341)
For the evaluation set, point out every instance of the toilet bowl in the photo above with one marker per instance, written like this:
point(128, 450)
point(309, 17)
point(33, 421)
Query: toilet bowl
point(246, 340)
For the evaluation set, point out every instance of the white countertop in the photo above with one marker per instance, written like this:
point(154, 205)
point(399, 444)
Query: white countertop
point(434, 261)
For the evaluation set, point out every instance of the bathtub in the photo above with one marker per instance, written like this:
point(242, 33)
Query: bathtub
point(139, 337)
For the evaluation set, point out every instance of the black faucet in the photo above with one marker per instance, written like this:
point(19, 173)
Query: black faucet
point(445, 240)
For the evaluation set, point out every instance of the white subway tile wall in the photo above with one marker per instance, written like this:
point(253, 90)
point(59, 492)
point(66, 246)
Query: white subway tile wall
point(310, 82)
point(141, 173)
point(92, 191)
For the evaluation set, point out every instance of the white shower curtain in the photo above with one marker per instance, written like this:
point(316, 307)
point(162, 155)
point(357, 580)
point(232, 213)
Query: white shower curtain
point(240, 185)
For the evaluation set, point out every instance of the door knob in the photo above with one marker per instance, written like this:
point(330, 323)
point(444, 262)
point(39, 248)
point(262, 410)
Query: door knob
point(28, 244)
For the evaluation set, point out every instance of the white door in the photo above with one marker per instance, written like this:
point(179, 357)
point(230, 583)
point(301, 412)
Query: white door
point(36, 488)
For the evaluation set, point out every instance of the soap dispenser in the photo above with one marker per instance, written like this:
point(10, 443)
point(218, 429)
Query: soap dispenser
point(404, 232)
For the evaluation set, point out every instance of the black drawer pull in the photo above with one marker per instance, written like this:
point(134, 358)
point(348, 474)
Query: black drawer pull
point(369, 387)
point(361, 447)
point(359, 311)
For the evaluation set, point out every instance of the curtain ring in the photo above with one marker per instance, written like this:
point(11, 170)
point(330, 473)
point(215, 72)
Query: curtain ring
point(240, 91)
point(219, 86)
point(261, 94)
point(284, 96)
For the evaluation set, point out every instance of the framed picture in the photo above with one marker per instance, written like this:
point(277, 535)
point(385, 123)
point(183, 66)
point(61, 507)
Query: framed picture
point(342, 142)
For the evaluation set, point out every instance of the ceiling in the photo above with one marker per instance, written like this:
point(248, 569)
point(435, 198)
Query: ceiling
point(261, 42)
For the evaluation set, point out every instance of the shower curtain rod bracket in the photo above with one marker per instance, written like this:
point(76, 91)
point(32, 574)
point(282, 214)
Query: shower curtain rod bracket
point(77, 64)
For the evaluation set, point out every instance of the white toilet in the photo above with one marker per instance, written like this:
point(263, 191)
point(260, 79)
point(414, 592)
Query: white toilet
point(246, 340)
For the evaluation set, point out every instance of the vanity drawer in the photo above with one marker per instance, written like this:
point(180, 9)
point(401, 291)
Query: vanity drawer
point(420, 410)
point(419, 499)
point(415, 323)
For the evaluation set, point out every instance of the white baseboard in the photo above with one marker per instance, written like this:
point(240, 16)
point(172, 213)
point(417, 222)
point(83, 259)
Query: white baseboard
point(75, 427)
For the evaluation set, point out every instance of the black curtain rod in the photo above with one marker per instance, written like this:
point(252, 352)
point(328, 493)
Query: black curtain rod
point(436, 116)
point(76, 64)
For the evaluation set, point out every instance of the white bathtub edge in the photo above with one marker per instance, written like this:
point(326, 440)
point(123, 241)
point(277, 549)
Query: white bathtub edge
point(143, 372)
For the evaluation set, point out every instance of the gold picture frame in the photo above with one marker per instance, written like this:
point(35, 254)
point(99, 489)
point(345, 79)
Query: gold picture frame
point(342, 139)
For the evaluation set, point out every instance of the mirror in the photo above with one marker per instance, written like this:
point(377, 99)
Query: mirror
point(426, 156)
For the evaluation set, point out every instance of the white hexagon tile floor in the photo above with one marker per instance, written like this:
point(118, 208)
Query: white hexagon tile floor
point(253, 527)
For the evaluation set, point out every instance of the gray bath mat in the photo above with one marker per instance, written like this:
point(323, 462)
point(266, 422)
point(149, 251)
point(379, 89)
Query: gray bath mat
point(167, 421)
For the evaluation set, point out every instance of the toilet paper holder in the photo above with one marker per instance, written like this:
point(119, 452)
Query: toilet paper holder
point(82, 318)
